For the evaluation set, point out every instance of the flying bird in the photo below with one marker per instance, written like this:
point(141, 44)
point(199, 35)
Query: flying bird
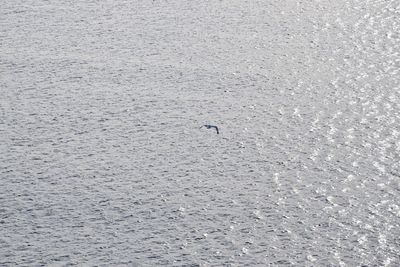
point(210, 127)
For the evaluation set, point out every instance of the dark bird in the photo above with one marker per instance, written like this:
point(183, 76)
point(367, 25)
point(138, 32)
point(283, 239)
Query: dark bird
point(210, 127)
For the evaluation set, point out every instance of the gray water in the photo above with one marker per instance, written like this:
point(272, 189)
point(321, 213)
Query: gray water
point(103, 161)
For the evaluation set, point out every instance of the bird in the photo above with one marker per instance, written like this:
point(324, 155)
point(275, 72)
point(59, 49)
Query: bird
point(210, 127)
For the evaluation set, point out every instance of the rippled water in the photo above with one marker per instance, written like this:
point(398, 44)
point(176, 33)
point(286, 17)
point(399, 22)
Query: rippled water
point(103, 162)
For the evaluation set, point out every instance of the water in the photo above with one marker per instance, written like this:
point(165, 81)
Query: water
point(103, 162)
